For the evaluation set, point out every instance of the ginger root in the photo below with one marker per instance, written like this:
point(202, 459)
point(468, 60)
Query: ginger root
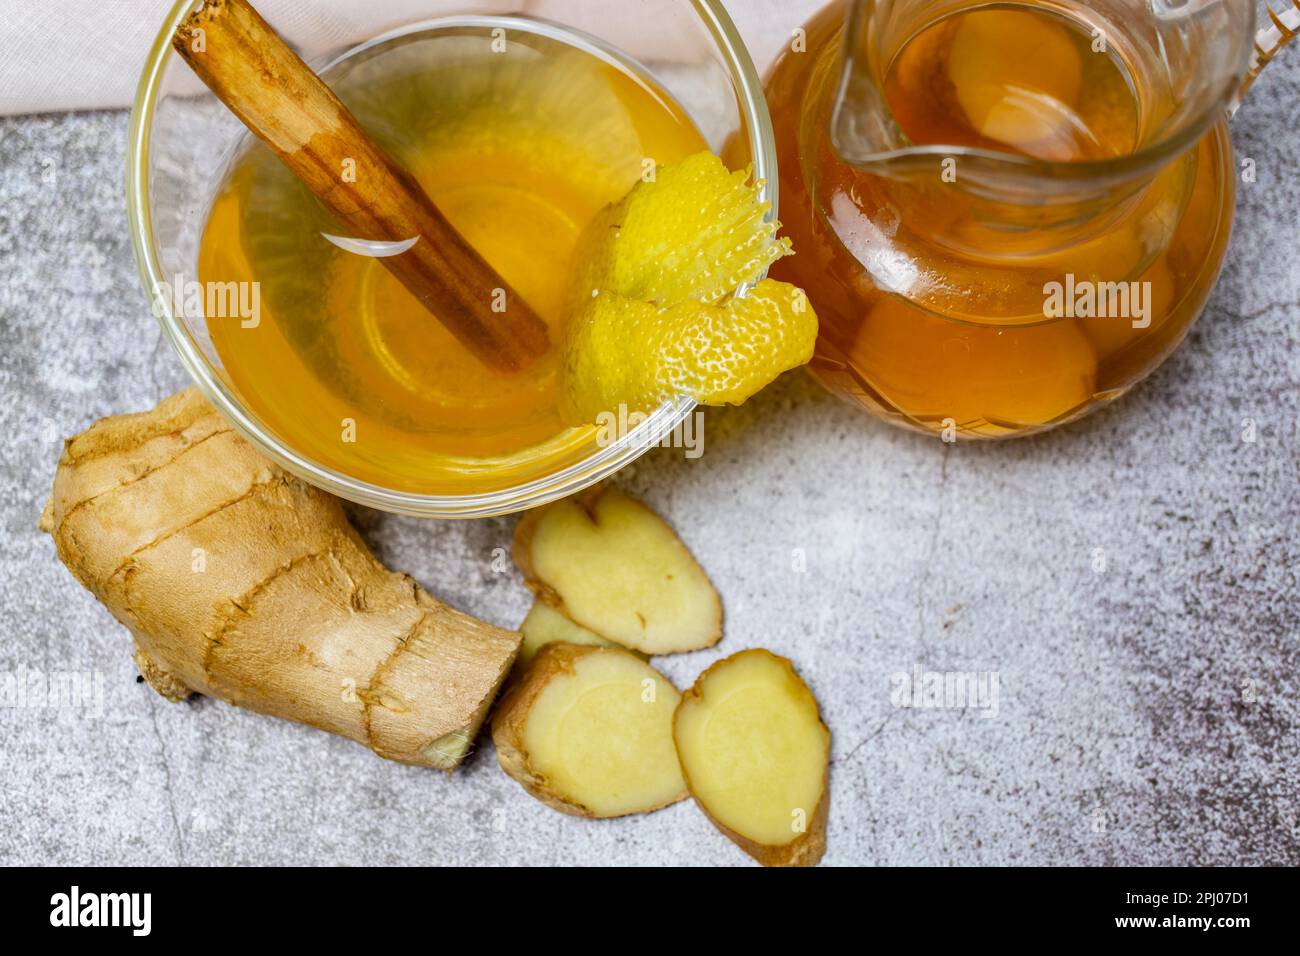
point(612, 566)
point(588, 731)
point(545, 625)
point(756, 757)
point(241, 582)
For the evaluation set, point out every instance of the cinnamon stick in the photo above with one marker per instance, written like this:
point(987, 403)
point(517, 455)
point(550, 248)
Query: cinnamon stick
point(277, 96)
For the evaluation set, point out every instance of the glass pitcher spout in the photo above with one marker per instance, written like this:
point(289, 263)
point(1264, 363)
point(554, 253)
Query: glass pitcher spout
point(1189, 59)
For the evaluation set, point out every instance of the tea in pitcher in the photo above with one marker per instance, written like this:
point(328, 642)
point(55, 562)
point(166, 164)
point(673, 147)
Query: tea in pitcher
point(996, 218)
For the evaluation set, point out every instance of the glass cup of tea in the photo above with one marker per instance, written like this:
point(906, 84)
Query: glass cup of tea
point(520, 119)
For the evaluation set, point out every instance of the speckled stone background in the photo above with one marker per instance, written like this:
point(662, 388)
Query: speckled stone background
point(1148, 712)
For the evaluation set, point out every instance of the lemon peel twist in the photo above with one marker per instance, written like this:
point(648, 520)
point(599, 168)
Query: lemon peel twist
point(656, 313)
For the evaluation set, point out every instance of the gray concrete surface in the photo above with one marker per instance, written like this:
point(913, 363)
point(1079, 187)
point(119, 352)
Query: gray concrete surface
point(1148, 712)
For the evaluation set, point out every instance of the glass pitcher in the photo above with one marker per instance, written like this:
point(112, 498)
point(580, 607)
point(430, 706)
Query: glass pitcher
point(1007, 215)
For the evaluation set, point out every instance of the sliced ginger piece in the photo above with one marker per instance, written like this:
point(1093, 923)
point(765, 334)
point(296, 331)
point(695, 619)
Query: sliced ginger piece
point(588, 731)
point(614, 567)
point(986, 379)
point(756, 757)
point(545, 625)
point(1018, 78)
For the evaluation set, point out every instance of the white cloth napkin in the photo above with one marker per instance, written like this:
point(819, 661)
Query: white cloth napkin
point(87, 54)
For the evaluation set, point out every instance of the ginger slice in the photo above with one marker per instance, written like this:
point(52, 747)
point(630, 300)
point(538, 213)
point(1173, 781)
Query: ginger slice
point(934, 370)
point(1018, 78)
point(545, 625)
point(614, 567)
point(756, 757)
point(588, 731)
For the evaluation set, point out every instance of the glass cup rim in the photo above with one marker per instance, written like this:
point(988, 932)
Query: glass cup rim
point(598, 466)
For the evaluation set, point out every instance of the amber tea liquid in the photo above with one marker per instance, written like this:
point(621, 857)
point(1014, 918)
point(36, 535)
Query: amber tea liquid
point(981, 354)
point(520, 134)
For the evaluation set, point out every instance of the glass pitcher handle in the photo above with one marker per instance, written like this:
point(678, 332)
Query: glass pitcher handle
point(1281, 30)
